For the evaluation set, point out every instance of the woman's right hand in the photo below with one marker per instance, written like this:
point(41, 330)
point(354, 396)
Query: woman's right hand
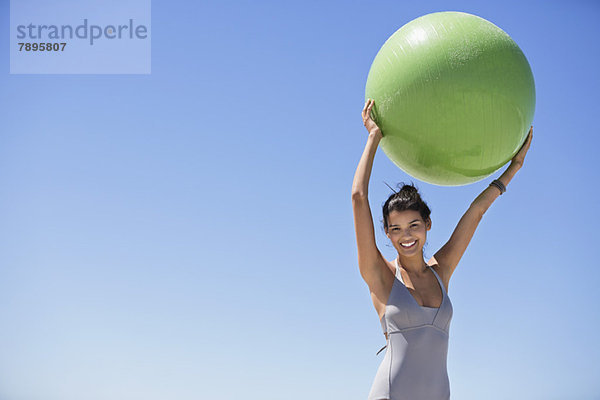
point(368, 121)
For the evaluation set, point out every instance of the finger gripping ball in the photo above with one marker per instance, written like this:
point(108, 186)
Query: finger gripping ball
point(454, 98)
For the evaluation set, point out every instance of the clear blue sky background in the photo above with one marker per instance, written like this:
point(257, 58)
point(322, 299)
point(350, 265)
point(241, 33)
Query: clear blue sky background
point(188, 234)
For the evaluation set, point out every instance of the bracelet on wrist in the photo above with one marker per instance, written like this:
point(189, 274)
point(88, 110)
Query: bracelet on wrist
point(499, 185)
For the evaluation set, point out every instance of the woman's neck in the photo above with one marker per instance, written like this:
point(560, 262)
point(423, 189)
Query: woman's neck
point(414, 266)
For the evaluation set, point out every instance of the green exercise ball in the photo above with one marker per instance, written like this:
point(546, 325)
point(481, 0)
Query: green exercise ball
point(454, 98)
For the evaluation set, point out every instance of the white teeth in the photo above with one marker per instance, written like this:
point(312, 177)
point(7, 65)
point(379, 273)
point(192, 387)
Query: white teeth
point(408, 244)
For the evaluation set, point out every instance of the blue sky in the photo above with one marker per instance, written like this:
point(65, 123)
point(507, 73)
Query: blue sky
point(188, 234)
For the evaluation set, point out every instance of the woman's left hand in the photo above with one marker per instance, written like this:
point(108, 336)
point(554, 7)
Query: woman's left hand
point(519, 158)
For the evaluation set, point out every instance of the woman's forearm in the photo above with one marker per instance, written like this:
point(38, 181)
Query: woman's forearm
point(491, 193)
point(360, 185)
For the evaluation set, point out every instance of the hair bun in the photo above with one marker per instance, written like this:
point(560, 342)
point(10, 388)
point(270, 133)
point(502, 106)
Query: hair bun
point(408, 192)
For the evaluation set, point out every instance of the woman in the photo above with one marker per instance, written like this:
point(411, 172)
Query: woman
point(410, 295)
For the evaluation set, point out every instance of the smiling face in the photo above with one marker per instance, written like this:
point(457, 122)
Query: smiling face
point(407, 228)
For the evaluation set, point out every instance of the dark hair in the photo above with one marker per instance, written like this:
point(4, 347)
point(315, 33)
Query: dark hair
point(407, 198)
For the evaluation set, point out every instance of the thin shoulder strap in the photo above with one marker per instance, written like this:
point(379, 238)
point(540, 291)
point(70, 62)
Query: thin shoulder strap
point(398, 275)
point(438, 278)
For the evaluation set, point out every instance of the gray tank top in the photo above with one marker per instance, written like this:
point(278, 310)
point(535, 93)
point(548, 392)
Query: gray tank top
point(414, 365)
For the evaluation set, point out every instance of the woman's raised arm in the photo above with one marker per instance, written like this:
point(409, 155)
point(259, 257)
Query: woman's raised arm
point(360, 185)
point(370, 260)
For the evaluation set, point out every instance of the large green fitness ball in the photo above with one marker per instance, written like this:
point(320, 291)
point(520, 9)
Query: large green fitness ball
point(454, 98)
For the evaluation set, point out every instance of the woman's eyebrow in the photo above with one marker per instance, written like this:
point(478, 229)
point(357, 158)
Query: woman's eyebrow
point(416, 220)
